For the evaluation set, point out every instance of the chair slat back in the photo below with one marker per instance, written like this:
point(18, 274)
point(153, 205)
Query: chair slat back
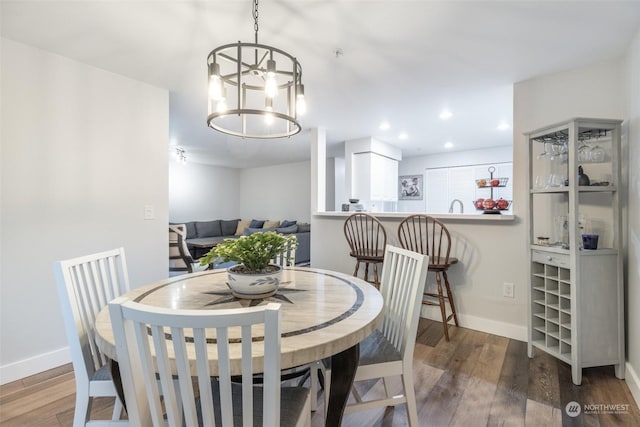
point(287, 258)
point(154, 342)
point(85, 285)
point(365, 234)
point(426, 235)
point(404, 275)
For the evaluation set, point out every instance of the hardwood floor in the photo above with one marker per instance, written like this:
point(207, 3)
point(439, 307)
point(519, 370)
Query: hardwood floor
point(476, 379)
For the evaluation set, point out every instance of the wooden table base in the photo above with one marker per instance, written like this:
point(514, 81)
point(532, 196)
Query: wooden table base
point(344, 365)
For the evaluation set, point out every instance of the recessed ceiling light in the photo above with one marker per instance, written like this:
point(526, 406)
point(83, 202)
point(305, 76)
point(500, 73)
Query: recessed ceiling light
point(446, 114)
point(503, 126)
point(403, 135)
point(448, 144)
point(384, 125)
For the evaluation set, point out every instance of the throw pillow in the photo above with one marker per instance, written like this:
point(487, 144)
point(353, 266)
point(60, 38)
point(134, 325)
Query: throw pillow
point(287, 230)
point(208, 228)
point(229, 227)
point(271, 224)
point(256, 223)
point(287, 223)
point(304, 228)
point(241, 226)
point(191, 230)
point(250, 230)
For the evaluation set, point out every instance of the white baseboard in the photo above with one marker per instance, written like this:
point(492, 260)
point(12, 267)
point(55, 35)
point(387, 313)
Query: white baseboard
point(34, 365)
point(633, 381)
point(509, 330)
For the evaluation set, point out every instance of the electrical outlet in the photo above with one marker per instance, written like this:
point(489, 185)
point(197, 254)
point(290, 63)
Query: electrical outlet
point(507, 290)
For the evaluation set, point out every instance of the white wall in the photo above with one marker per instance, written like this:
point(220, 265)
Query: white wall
point(330, 201)
point(338, 184)
point(199, 192)
point(276, 192)
point(597, 91)
point(633, 215)
point(414, 165)
point(82, 152)
point(417, 166)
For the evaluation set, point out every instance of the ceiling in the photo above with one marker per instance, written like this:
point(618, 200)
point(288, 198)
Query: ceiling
point(402, 61)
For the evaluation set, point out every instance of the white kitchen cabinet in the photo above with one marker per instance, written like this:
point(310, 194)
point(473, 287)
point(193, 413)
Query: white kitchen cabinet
point(375, 177)
point(576, 306)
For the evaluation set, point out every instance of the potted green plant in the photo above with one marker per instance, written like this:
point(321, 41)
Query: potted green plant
point(254, 274)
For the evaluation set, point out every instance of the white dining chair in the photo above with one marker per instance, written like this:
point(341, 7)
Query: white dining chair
point(287, 258)
point(389, 350)
point(150, 341)
point(85, 285)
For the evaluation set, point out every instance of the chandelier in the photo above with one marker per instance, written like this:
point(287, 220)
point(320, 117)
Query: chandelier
point(255, 90)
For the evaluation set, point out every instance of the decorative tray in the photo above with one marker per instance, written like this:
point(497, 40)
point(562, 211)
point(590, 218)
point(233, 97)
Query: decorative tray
point(499, 205)
point(491, 182)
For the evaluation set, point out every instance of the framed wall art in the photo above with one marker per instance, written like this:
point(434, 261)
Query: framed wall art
point(410, 187)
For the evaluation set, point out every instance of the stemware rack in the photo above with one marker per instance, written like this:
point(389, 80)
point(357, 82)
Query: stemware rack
point(562, 136)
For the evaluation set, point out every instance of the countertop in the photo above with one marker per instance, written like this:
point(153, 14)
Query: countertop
point(442, 217)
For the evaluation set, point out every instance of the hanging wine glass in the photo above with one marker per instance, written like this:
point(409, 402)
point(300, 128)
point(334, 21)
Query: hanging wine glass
point(584, 154)
point(545, 152)
point(553, 154)
point(597, 152)
point(564, 151)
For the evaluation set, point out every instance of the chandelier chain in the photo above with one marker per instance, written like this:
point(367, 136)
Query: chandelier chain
point(255, 18)
point(248, 109)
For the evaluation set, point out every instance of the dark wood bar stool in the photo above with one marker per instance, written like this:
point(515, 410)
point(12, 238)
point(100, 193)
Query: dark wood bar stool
point(367, 240)
point(428, 236)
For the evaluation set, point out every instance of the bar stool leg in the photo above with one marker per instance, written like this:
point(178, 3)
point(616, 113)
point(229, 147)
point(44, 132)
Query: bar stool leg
point(450, 298)
point(442, 306)
point(376, 278)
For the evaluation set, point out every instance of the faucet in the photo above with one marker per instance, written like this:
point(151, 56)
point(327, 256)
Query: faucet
point(453, 202)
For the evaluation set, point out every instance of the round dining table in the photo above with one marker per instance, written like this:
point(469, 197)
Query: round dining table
point(325, 314)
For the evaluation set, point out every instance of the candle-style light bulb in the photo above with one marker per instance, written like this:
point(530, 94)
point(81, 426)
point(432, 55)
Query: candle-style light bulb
point(268, 118)
point(222, 102)
point(215, 83)
point(270, 83)
point(301, 104)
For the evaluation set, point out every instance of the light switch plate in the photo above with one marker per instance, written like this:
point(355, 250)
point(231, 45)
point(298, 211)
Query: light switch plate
point(149, 212)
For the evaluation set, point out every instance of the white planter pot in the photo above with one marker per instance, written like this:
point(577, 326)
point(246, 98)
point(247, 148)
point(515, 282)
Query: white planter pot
point(257, 285)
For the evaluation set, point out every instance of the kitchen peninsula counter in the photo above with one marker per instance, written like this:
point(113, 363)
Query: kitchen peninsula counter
point(443, 217)
point(491, 250)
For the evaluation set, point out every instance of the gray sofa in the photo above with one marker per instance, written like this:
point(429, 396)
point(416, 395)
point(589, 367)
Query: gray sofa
point(203, 235)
